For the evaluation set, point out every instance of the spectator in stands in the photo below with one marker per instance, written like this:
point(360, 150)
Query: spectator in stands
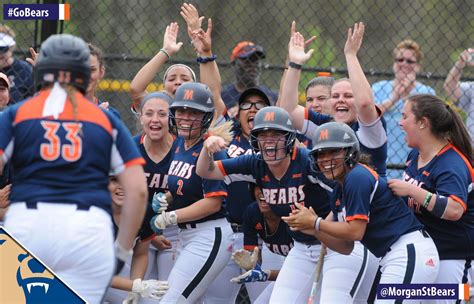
point(246, 59)
point(389, 96)
point(4, 91)
point(462, 92)
point(19, 72)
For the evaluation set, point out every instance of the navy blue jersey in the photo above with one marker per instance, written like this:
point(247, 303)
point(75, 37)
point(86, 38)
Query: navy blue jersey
point(64, 160)
point(111, 109)
point(367, 197)
point(449, 174)
point(186, 186)
point(306, 141)
point(283, 193)
point(238, 193)
point(279, 242)
point(372, 138)
point(157, 181)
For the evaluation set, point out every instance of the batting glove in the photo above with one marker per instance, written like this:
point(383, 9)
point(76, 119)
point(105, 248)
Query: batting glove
point(254, 275)
point(150, 288)
point(132, 298)
point(164, 219)
point(246, 259)
point(159, 203)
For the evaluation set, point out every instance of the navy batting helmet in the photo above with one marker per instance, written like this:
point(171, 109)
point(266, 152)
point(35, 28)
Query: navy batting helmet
point(63, 58)
point(334, 136)
point(196, 96)
point(276, 119)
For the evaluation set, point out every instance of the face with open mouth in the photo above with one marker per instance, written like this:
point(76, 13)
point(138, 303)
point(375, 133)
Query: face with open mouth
point(331, 163)
point(189, 122)
point(342, 102)
point(154, 119)
point(272, 145)
point(262, 203)
point(116, 190)
point(247, 111)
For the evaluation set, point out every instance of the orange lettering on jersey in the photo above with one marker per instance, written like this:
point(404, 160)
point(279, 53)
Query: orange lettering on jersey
point(324, 134)
point(425, 173)
point(188, 94)
point(258, 226)
point(269, 116)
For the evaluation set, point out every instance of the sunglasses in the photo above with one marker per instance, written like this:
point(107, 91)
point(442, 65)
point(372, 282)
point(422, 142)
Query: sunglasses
point(247, 105)
point(409, 61)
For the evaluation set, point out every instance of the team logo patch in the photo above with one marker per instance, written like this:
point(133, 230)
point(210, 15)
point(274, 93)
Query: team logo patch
point(25, 279)
point(430, 263)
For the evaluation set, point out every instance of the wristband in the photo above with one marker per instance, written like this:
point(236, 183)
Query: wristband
point(206, 59)
point(440, 206)
point(166, 53)
point(294, 65)
point(317, 223)
point(427, 199)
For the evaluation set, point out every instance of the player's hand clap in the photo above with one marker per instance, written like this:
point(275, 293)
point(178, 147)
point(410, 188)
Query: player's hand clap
point(191, 15)
point(169, 39)
point(253, 275)
point(246, 259)
point(296, 47)
point(214, 144)
point(162, 220)
point(301, 219)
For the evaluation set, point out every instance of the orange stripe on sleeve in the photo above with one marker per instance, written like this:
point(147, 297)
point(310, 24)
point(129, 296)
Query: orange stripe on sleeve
point(371, 171)
point(306, 113)
point(135, 162)
point(214, 194)
point(221, 168)
point(357, 217)
point(249, 247)
point(295, 151)
point(458, 200)
point(468, 164)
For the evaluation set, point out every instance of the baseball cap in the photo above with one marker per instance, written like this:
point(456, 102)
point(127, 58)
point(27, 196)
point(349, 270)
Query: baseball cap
point(246, 48)
point(254, 92)
point(5, 79)
point(6, 42)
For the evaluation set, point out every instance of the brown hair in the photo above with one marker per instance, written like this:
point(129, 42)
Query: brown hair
point(445, 122)
point(325, 81)
point(95, 51)
point(409, 45)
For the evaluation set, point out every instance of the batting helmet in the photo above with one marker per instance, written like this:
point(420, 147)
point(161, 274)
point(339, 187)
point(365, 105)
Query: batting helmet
point(63, 58)
point(276, 119)
point(332, 136)
point(196, 96)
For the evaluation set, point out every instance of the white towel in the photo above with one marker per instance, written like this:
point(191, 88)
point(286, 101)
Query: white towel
point(55, 102)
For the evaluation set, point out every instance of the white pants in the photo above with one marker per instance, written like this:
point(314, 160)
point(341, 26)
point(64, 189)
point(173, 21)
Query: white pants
point(412, 259)
point(76, 244)
point(206, 250)
point(358, 270)
point(453, 272)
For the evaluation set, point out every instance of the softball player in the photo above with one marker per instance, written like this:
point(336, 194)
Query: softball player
point(281, 170)
point(55, 141)
point(205, 235)
point(364, 209)
point(437, 183)
point(351, 100)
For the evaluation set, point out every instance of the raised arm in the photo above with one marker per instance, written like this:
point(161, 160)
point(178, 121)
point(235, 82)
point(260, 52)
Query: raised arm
point(451, 85)
point(149, 71)
point(206, 167)
point(364, 100)
point(289, 98)
point(202, 41)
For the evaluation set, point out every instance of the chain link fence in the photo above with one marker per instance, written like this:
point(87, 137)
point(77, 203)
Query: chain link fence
point(130, 32)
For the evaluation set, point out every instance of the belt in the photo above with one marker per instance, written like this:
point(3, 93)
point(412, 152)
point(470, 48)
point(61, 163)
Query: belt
point(237, 228)
point(187, 226)
point(34, 205)
point(422, 231)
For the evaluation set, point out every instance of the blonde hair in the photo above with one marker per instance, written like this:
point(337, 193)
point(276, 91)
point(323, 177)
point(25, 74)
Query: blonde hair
point(409, 45)
point(5, 29)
